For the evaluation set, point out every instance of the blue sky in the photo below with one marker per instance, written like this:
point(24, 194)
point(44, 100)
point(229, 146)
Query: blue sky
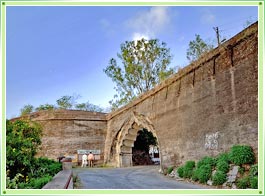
point(56, 51)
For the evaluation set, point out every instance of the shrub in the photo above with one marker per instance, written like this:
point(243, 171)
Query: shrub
point(222, 166)
point(190, 164)
point(35, 183)
point(254, 170)
point(243, 183)
point(219, 178)
point(206, 161)
point(223, 157)
point(180, 171)
point(188, 169)
point(240, 154)
point(204, 173)
point(253, 182)
point(170, 169)
point(195, 175)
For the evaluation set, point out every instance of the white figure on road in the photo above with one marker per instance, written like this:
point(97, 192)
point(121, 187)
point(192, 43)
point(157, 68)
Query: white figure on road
point(84, 160)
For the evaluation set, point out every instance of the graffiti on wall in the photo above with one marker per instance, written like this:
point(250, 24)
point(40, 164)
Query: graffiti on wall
point(211, 141)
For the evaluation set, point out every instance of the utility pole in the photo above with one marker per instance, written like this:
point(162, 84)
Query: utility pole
point(217, 34)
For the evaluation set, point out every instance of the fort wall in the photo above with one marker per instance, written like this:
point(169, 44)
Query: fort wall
point(205, 108)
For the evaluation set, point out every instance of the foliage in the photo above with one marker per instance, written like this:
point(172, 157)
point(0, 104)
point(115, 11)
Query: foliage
point(204, 173)
point(254, 170)
point(188, 169)
point(66, 102)
point(43, 166)
point(22, 141)
point(144, 64)
point(253, 182)
point(219, 178)
point(27, 109)
point(243, 183)
point(45, 107)
point(88, 107)
point(197, 47)
point(144, 139)
point(170, 169)
point(195, 174)
point(223, 157)
point(206, 161)
point(23, 169)
point(35, 183)
point(241, 154)
point(222, 166)
point(13, 183)
point(180, 171)
point(241, 170)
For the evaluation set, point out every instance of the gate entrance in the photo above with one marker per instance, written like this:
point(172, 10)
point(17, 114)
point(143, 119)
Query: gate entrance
point(124, 151)
point(145, 149)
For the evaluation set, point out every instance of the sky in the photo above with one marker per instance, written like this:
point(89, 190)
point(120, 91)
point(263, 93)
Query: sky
point(57, 51)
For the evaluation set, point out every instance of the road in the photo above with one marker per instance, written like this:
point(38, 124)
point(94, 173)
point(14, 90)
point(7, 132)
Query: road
point(138, 177)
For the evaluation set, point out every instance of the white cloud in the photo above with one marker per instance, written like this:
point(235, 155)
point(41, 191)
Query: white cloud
point(149, 23)
point(138, 36)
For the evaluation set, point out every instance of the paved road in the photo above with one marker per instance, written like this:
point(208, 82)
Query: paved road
point(138, 177)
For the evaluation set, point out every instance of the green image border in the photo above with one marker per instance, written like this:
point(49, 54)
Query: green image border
point(259, 191)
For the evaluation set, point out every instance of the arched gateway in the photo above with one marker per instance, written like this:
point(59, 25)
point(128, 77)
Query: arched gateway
point(121, 148)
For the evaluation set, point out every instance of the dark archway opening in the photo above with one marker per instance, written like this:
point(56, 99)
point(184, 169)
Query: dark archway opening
point(145, 150)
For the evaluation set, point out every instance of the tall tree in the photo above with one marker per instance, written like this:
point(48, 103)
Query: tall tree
point(197, 47)
point(27, 109)
point(145, 63)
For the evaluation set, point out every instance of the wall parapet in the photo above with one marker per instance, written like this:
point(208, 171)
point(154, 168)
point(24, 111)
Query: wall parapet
point(62, 180)
point(60, 114)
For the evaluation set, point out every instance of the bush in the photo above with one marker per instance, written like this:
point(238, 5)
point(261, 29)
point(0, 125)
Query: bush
point(254, 170)
point(180, 171)
point(243, 183)
point(254, 182)
point(195, 175)
point(223, 157)
point(188, 169)
point(240, 154)
point(203, 173)
point(170, 169)
point(222, 166)
point(219, 178)
point(206, 161)
point(190, 164)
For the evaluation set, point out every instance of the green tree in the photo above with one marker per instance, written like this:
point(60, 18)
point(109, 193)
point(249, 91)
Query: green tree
point(145, 63)
point(89, 107)
point(22, 141)
point(27, 109)
point(66, 101)
point(197, 47)
point(45, 107)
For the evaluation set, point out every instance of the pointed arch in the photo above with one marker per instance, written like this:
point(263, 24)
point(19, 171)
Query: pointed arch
point(124, 140)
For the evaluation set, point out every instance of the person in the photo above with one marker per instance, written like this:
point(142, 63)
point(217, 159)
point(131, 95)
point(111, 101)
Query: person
point(84, 160)
point(90, 159)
